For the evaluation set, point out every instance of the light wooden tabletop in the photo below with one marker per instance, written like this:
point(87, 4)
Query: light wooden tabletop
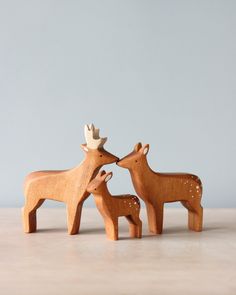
point(177, 262)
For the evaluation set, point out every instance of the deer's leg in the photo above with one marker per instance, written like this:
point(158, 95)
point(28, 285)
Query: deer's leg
point(73, 217)
point(155, 217)
point(132, 226)
point(151, 213)
point(111, 226)
point(190, 217)
point(138, 225)
point(135, 226)
point(195, 215)
point(139, 230)
point(159, 217)
point(29, 215)
point(195, 218)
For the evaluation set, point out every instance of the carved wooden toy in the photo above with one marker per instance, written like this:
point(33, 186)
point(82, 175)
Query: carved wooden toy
point(68, 186)
point(111, 207)
point(158, 188)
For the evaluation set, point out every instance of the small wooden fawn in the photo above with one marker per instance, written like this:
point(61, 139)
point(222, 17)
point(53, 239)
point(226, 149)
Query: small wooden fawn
point(158, 188)
point(68, 186)
point(111, 207)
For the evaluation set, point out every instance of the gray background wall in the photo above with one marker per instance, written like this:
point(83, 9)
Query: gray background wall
point(160, 72)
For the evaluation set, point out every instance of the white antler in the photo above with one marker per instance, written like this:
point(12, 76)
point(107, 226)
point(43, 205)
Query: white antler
point(92, 137)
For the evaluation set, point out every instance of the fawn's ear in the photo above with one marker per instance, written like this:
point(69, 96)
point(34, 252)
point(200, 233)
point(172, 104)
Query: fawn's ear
point(101, 173)
point(145, 148)
point(108, 176)
point(84, 147)
point(137, 147)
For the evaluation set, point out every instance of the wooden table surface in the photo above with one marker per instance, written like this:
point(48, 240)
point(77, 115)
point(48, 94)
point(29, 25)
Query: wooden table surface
point(177, 262)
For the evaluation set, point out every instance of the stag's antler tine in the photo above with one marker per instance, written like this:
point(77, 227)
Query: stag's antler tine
point(91, 126)
point(103, 140)
point(92, 137)
point(96, 133)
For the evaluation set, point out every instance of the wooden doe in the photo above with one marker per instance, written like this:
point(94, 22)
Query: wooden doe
point(156, 188)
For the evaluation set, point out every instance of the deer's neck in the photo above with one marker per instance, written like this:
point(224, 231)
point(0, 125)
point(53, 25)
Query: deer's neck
point(103, 197)
point(142, 169)
point(104, 192)
point(141, 177)
point(88, 169)
point(82, 175)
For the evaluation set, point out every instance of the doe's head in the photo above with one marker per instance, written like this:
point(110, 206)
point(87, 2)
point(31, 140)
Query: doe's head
point(94, 147)
point(136, 158)
point(97, 184)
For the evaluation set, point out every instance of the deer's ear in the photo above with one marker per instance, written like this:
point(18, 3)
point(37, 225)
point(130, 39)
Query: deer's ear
point(137, 147)
point(145, 149)
point(84, 147)
point(101, 173)
point(108, 176)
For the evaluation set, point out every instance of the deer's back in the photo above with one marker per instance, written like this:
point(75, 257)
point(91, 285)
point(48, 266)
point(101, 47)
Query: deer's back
point(38, 179)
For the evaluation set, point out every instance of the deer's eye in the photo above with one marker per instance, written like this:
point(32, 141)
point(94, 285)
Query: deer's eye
point(136, 161)
point(95, 189)
point(100, 156)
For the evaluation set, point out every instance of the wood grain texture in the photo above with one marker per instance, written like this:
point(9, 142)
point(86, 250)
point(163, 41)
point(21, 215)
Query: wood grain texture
point(112, 207)
point(155, 189)
point(68, 186)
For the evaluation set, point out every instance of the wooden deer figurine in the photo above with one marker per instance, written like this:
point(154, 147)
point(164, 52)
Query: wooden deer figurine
point(111, 207)
point(68, 186)
point(155, 189)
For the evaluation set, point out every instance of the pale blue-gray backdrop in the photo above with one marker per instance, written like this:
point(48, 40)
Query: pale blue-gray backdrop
point(160, 72)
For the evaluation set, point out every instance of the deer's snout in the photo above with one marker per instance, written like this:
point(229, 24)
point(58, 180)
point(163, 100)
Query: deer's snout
point(118, 162)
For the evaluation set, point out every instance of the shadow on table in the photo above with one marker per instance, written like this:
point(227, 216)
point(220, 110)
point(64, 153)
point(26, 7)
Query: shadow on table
point(51, 230)
point(178, 229)
point(92, 230)
point(166, 231)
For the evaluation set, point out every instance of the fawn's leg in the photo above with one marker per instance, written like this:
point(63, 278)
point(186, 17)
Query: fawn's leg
point(151, 213)
point(135, 226)
point(73, 217)
point(195, 218)
point(159, 217)
point(29, 215)
point(132, 226)
point(195, 215)
point(111, 226)
point(139, 229)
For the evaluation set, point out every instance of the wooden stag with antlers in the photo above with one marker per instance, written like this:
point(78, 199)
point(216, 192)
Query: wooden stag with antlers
point(158, 188)
point(111, 207)
point(68, 186)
